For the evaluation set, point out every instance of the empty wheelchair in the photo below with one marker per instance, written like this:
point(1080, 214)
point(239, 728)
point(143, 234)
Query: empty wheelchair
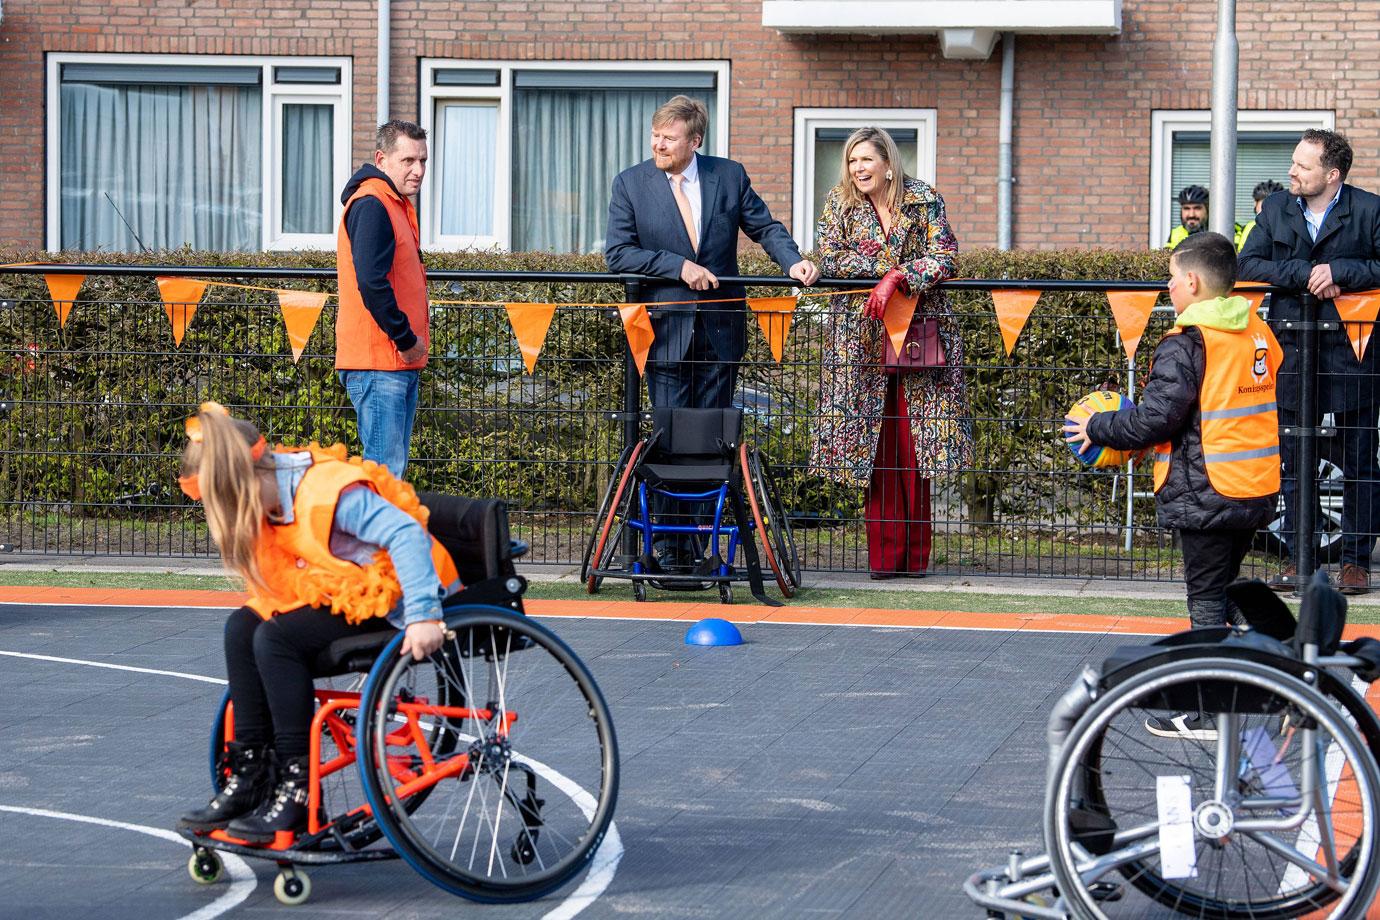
point(1263, 804)
point(696, 460)
point(491, 767)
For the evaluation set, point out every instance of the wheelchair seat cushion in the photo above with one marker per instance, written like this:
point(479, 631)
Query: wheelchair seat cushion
point(353, 653)
point(700, 472)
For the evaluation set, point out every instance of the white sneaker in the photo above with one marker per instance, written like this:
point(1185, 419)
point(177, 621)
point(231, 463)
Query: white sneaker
point(1189, 725)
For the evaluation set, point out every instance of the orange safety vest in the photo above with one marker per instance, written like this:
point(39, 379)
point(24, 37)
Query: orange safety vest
point(359, 342)
point(296, 559)
point(1237, 415)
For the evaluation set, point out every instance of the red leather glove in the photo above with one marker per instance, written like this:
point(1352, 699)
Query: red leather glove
point(876, 301)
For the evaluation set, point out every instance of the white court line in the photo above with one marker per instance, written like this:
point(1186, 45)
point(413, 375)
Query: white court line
point(117, 667)
point(602, 866)
point(242, 878)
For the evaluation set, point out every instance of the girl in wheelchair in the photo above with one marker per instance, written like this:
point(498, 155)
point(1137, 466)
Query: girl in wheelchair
point(329, 547)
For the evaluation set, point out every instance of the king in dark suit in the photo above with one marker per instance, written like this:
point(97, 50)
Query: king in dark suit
point(677, 216)
point(1323, 236)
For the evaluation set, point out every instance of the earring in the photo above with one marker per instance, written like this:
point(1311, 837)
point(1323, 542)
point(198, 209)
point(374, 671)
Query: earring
point(888, 175)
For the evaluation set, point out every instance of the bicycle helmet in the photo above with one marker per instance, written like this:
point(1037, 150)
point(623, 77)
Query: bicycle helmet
point(1193, 194)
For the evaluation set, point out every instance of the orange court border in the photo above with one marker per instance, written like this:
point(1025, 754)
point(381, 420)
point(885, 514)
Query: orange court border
point(686, 611)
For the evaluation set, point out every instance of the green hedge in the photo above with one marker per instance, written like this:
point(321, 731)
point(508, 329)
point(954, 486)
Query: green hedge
point(100, 402)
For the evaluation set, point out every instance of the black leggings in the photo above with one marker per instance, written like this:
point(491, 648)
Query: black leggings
point(269, 666)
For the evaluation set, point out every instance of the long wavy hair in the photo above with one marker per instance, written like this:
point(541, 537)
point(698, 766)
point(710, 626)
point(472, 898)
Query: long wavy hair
point(224, 467)
point(891, 155)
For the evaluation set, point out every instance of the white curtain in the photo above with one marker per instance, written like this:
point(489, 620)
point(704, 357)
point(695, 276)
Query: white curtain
point(180, 164)
point(307, 148)
point(567, 147)
point(469, 137)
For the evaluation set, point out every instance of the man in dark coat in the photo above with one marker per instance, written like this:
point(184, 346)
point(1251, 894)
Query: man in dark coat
point(677, 216)
point(1323, 236)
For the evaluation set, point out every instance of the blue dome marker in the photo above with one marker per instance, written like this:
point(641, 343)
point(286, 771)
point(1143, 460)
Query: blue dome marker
point(713, 631)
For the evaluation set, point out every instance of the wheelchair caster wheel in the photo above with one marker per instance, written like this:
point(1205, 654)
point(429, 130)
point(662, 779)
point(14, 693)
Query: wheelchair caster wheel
point(725, 592)
point(639, 591)
point(524, 849)
point(292, 886)
point(205, 866)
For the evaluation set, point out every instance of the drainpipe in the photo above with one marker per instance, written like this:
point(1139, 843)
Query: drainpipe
point(385, 63)
point(1005, 177)
point(1222, 209)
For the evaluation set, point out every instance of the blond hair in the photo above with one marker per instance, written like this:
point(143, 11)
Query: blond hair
point(890, 154)
point(224, 468)
point(693, 112)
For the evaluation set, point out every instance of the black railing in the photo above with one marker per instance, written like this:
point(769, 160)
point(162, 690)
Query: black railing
point(92, 429)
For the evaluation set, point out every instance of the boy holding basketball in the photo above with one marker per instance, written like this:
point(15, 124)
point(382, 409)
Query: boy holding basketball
point(1208, 412)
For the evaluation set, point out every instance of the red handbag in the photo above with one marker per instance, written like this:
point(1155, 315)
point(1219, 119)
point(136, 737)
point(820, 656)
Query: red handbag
point(921, 349)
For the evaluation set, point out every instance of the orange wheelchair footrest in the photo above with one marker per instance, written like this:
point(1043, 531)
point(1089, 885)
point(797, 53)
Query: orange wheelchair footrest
point(282, 840)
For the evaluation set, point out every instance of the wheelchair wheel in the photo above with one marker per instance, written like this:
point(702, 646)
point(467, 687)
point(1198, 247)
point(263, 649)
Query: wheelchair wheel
point(523, 802)
point(341, 790)
point(1261, 849)
point(769, 518)
point(608, 530)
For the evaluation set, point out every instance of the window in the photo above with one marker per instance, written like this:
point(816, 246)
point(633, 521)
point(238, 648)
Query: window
point(1180, 156)
point(524, 154)
point(216, 153)
point(819, 138)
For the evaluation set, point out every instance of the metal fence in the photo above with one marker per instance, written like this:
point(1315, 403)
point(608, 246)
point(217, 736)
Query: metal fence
point(91, 424)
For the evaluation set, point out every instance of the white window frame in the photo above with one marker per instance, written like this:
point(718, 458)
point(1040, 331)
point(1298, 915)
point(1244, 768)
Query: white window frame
point(1166, 123)
point(924, 122)
point(502, 95)
point(274, 95)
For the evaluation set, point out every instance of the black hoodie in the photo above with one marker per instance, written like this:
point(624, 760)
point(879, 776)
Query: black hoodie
point(371, 249)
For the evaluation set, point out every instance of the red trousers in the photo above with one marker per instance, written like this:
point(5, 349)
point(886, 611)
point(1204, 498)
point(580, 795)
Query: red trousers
point(898, 498)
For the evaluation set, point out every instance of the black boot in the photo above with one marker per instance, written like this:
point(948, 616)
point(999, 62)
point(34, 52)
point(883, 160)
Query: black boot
point(285, 810)
point(246, 788)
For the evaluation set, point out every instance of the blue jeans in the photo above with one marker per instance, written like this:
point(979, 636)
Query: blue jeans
point(385, 405)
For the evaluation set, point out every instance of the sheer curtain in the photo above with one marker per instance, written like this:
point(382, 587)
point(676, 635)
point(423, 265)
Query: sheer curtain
point(308, 142)
point(180, 164)
point(469, 136)
point(568, 144)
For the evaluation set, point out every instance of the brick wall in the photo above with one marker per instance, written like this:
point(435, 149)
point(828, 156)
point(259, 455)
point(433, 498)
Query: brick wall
point(1083, 103)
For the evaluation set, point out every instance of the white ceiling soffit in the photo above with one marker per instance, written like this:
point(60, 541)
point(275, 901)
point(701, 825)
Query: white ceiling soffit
point(967, 29)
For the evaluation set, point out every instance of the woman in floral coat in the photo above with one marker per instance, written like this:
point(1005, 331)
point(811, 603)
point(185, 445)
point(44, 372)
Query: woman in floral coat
point(889, 433)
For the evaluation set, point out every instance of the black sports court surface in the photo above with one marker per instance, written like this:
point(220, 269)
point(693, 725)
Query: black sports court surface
point(817, 771)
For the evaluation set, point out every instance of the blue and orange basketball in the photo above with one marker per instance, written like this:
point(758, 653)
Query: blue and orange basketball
point(1095, 455)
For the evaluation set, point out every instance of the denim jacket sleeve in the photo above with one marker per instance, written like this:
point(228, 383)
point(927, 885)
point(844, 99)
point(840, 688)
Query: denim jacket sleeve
point(372, 519)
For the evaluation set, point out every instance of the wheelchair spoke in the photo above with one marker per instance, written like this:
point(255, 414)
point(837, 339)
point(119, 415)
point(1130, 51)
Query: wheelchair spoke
point(541, 769)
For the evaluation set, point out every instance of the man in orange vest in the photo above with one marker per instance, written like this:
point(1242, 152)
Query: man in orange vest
point(1208, 409)
point(382, 330)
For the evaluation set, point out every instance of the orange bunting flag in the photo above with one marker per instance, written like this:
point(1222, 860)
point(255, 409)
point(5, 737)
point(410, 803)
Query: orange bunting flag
point(530, 322)
point(1013, 309)
point(638, 325)
point(774, 316)
point(1358, 313)
point(63, 289)
point(300, 310)
point(180, 298)
point(1253, 298)
point(896, 317)
point(1132, 311)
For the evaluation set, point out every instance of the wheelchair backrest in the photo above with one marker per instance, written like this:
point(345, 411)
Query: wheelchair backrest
point(695, 435)
point(475, 533)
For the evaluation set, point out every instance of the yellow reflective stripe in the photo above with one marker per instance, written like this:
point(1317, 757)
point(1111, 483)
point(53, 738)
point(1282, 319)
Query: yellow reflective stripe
point(1242, 455)
point(1162, 458)
point(1238, 412)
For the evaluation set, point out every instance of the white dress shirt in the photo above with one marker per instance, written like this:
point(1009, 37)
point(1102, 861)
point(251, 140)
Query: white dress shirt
point(691, 188)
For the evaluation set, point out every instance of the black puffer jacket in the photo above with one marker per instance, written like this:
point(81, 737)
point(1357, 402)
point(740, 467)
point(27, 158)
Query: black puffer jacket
point(1168, 411)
